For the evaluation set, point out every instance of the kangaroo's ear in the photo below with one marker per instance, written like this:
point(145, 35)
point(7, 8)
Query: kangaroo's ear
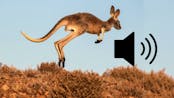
point(117, 13)
point(112, 11)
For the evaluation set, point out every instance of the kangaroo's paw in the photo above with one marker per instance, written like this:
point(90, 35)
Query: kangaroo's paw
point(98, 41)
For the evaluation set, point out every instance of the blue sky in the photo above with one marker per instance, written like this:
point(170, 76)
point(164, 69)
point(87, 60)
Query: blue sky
point(37, 17)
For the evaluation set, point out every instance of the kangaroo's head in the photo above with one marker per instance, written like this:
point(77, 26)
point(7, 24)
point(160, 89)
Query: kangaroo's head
point(114, 18)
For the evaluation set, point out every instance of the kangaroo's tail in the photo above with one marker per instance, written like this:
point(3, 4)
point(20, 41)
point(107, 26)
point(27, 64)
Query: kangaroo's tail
point(51, 32)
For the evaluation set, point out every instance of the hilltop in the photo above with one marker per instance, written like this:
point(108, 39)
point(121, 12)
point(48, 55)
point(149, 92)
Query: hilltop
point(50, 81)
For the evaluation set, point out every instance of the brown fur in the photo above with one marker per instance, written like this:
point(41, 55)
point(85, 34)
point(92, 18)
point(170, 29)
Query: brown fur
point(78, 24)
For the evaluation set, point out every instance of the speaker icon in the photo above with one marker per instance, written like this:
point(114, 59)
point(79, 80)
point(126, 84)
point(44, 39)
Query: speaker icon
point(125, 49)
point(150, 48)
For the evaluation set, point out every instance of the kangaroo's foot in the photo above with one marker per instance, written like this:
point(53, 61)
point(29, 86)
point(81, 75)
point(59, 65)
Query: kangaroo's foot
point(61, 62)
point(98, 41)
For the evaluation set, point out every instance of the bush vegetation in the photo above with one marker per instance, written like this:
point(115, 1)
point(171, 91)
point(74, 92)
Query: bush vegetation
point(50, 81)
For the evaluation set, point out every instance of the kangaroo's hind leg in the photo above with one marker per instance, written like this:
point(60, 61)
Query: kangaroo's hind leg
point(58, 51)
point(77, 31)
point(61, 43)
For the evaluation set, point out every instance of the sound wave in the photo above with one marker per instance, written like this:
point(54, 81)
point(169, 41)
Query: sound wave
point(143, 48)
point(150, 48)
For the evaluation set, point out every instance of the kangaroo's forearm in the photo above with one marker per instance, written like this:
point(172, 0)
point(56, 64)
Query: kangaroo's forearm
point(101, 36)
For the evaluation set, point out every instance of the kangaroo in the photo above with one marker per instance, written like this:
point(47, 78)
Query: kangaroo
point(77, 24)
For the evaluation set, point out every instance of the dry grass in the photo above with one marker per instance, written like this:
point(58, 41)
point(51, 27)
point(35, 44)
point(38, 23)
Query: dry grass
point(50, 81)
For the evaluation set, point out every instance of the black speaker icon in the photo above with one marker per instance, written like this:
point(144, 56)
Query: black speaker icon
point(150, 48)
point(125, 49)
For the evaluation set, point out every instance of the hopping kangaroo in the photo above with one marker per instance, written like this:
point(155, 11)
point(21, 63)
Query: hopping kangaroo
point(78, 24)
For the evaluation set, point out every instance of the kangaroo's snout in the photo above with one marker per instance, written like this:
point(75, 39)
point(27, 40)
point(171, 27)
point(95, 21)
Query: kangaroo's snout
point(117, 25)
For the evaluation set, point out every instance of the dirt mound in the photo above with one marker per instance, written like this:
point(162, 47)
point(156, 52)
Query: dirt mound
point(50, 81)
